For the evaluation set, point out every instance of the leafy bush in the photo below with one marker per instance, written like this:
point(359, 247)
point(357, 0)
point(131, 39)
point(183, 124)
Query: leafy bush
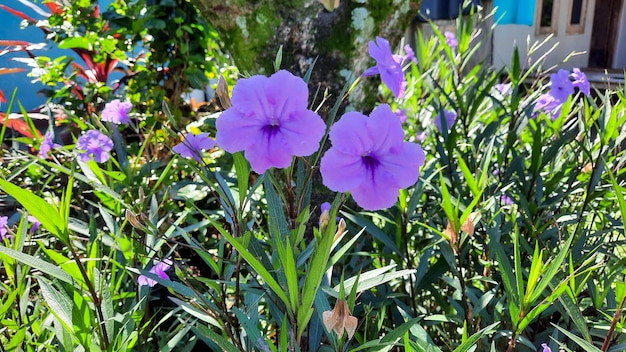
point(497, 226)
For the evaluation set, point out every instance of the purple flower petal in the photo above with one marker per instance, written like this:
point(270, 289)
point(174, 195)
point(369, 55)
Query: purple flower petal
point(96, 144)
point(116, 112)
point(389, 66)
point(545, 348)
point(451, 39)
point(4, 220)
point(445, 116)
point(561, 85)
point(581, 82)
point(269, 121)
point(159, 269)
point(193, 145)
point(370, 159)
point(47, 145)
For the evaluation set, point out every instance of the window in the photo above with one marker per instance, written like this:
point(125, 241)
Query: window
point(547, 16)
point(576, 16)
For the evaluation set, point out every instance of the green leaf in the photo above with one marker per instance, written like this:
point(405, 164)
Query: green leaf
point(470, 343)
point(59, 302)
point(45, 213)
point(204, 332)
point(587, 346)
point(37, 263)
point(371, 279)
point(75, 43)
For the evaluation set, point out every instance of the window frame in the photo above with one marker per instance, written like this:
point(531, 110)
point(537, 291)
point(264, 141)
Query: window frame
point(553, 29)
point(576, 28)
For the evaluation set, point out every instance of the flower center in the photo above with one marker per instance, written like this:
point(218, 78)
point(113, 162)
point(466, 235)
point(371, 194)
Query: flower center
point(371, 162)
point(272, 128)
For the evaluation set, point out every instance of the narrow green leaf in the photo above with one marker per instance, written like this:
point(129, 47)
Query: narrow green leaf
point(37, 263)
point(45, 213)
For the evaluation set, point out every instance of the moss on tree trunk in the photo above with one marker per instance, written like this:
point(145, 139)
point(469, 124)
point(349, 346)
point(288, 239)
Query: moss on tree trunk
point(253, 30)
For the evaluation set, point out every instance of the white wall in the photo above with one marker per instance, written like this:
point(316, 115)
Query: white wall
point(505, 37)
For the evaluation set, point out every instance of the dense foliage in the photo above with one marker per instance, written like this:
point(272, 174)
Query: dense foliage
point(471, 210)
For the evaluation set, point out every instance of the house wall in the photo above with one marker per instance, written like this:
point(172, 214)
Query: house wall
point(619, 60)
point(506, 36)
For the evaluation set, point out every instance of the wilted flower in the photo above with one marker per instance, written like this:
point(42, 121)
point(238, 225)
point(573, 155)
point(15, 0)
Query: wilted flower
point(451, 40)
point(193, 145)
point(94, 143)
point(370, 159)
point(388, 65)
point(506, 200)
point(4, 220)
point(47, 144)
point(401, 113)
point(503, 88)
point(340, 320)
point(116, 112)
point(421, 136)
point(269, 120)
point(325, 214)
point(409, 54)
point(580, 81)
point(548, 104)
point(159, 269)
point(445, 116)
point(561, 86)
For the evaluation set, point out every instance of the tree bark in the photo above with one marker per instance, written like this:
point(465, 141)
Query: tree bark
point(253, 31)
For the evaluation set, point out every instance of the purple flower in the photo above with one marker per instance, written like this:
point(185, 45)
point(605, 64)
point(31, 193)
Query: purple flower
point(116, 112)
point(94, 143)
point(389, 66)
point(159, 269)
point(545, 348)
point(581, 82)
point(4, 220)
point(35, 222)
point(562, 86)
point(421, 136)
point(445, 116)
point(503, 88)
point(451, 40)
point(193, 145)
point(370, 159)
point(401, 113)
point(410, 54)
point(548, 104)
point(47, 145)
point(506, 200)
point(269, 120)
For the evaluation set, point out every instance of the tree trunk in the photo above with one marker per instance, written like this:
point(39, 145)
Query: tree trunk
point(253, 31)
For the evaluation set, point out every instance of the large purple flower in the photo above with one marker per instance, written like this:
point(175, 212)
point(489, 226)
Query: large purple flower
point(94, 143)
point(389, 66)
point(116, 112)
point(270, 122)
point(370, 158)
point(159, 269)
point(562, 86)
point(193, 145)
